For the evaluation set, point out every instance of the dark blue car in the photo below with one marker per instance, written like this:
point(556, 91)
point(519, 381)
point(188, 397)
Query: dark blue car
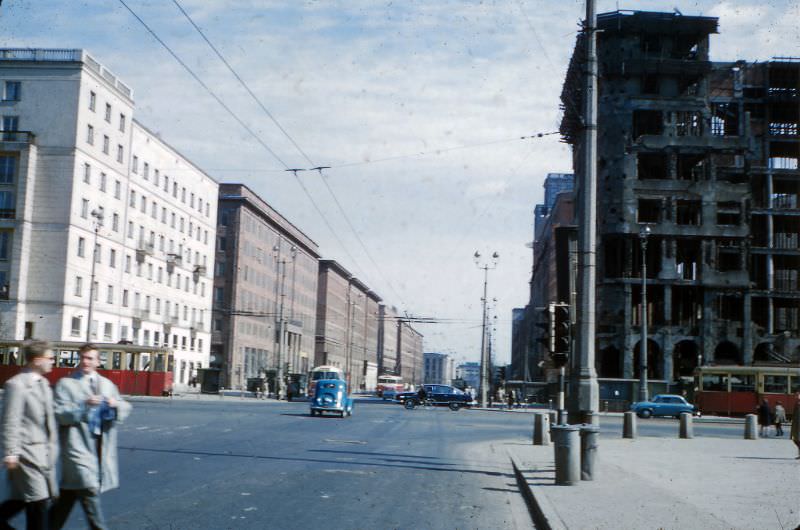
point(330, 395)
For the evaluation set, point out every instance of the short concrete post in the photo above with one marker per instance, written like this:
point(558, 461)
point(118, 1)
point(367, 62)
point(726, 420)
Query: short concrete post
point(541, 429)
point(687, 427)
point(629, 426)
point(567, 454)
point(589, 435)
point(553, 417)
point(751, 427)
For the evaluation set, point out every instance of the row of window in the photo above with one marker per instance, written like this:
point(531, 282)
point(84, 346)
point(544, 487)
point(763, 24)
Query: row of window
point(106, 144)
point(195, 202)
point(149, 303)
point(11, 90)
point(148, 339)
point(175, 221)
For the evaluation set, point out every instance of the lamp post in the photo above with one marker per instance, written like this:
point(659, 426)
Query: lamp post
point(485, 265)
point(281, 320)
point(98, 215)
point(643, 394)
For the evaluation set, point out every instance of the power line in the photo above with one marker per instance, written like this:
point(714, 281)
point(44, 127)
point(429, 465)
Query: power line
point(299, 149)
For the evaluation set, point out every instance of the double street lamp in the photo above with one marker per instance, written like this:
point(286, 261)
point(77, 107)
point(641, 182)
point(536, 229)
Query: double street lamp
point(279, 384)
point(486, 265)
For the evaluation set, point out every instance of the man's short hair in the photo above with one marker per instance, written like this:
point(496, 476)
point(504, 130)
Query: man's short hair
point(87, 347)
point(32, 349)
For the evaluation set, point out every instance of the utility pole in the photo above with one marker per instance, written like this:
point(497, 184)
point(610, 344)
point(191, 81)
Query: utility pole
point(587, 387)
point(98, 215)
point(643, 393)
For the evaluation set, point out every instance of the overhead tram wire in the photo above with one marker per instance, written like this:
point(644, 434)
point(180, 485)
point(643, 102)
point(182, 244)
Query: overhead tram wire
point(299, 149)
point(240, 122)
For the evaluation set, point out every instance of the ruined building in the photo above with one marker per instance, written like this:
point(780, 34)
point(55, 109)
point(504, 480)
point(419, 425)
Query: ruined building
point(706, 155)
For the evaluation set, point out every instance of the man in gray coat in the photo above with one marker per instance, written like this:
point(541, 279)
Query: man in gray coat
point(88, 407)
point(29, 436)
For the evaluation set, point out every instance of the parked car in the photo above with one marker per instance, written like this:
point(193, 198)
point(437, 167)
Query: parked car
point(664, 405)
point(330, 395)
point(440, 395)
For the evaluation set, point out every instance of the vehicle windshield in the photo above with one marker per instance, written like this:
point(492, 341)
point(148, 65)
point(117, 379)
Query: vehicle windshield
point(316, 376)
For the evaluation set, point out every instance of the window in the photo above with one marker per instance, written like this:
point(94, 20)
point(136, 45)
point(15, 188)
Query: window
point(175, 189)
point(121, 123)
point(130, 229)
point(143, 204)
point(132, 202)
point(127, 263)
point(155, 177)
point(115, 222)
point(11, 91)
point(98, 252)
point(172, 221)
point(5, 245)
point(120, 153)
point(106, 141)
point(108, 113)
point(166, 183)
point(78, 286)
point(649, 211)
point(154, 210)
point(90, 135)
point(7, 205)
point(87, 173)
point(135, 164)
point(112, 258)
point(81, 247)
point(146, 171)
point(8, 169)
point(191, 200)
point(103, 179)
point(110, 295)
point(85, 208)
point(649, 122)
point(92, 101)
point(117, 189)
point(108, 331)
point(164, 215)
point(75, 330)
point(207, 210)
point(125, 295)
point(183, 195)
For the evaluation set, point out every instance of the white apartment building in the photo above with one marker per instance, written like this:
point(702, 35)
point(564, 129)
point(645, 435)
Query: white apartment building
point(80, 179)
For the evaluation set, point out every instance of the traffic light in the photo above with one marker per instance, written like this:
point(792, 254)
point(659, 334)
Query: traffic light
point(501, 372)
point(561, 334)
point(545, 324)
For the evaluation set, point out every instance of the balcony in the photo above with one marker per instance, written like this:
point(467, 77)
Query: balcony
point(142, 314)
point(8, 213)
point(167, 328)
point(198, 271)
point(144, 249)
point(41, 54)
point(20, 137)
point(172, 261)
point(198, 327)
point(4, 291)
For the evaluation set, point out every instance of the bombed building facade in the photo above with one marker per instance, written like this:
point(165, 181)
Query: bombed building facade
point(705, 154)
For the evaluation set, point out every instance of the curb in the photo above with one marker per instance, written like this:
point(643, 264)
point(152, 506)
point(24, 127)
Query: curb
point(543, 515)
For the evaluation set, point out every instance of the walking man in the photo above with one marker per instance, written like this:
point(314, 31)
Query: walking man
point(87, 407)
point(29, 436)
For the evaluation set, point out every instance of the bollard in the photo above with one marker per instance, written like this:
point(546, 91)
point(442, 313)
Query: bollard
point(221, 392)
point(589, 435)
point(629, 426)
point(541, 429)
point(567, 452)
point(751, 427)
point(553, 415)
point(687, 429)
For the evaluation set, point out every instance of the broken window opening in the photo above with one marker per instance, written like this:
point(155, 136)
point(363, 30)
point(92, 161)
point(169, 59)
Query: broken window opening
point(649, 122)
point(758, 271)
point(729, 259)
point(787, 315)
point(729, 213)
point(649, 211)
point(688, 212)
point(687, 307)
point(650, 84)
point(614, 256)
point(730, 307)
point(687, 259)
point(785, 232)
point(652, 166)
point(655, 305)
point(688, 123)
point(691, 167)
point(724, 119)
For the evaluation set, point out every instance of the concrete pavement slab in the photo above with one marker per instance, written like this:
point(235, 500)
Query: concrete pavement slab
point(664, 483)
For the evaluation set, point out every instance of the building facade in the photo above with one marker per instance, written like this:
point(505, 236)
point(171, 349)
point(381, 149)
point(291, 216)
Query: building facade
point(106, 231)
point(440, 368)
point(705, 155)
point(470, 373)
point(265, 291)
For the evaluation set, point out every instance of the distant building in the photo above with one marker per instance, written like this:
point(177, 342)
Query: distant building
point(470, 373)
point(554, 184)
point(266, 273)
point(439, 368)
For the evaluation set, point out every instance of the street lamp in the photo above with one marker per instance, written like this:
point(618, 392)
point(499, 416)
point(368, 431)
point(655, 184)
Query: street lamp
point(485, 265)
point(281, 320)
point(98, 215)
point(643, 233)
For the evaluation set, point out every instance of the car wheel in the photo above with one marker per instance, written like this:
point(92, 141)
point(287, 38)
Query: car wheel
point(410, 404)
point(646, 413)
point(455, 406)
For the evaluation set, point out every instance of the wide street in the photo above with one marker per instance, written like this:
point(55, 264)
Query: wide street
point(243, 463)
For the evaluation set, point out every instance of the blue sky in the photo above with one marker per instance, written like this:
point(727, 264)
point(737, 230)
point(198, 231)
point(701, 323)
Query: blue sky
point(358, 81)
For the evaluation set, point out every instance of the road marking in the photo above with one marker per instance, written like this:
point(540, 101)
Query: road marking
point(152, 472)
point(250, 508)
point(244, 493)
point(142, 428)
point(357, 442)
point(325, 496)
point(350, 471)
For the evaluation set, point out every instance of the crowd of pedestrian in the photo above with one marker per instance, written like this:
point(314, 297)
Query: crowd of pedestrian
point(769, 417)
point(76, 422)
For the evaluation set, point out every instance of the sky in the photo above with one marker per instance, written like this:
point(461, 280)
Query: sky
point(418, 107)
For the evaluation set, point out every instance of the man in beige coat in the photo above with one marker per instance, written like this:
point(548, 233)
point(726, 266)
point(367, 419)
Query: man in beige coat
point(30, 439)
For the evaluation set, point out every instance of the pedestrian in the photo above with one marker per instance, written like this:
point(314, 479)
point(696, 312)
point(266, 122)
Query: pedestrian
point(794, 432)
point(780, 417)
point(88, 407)
point(30, 439)
point(510, 397)
point(764, 417)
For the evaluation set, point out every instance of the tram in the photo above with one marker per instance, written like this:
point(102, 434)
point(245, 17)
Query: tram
point(737, 390)
point(135, 369)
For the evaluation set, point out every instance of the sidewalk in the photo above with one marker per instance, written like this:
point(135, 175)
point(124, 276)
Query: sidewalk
point(668, 483)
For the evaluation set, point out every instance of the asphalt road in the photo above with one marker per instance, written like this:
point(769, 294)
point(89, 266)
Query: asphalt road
point(255, 464)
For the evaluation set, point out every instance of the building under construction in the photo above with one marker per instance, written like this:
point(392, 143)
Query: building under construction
point(705, 154)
